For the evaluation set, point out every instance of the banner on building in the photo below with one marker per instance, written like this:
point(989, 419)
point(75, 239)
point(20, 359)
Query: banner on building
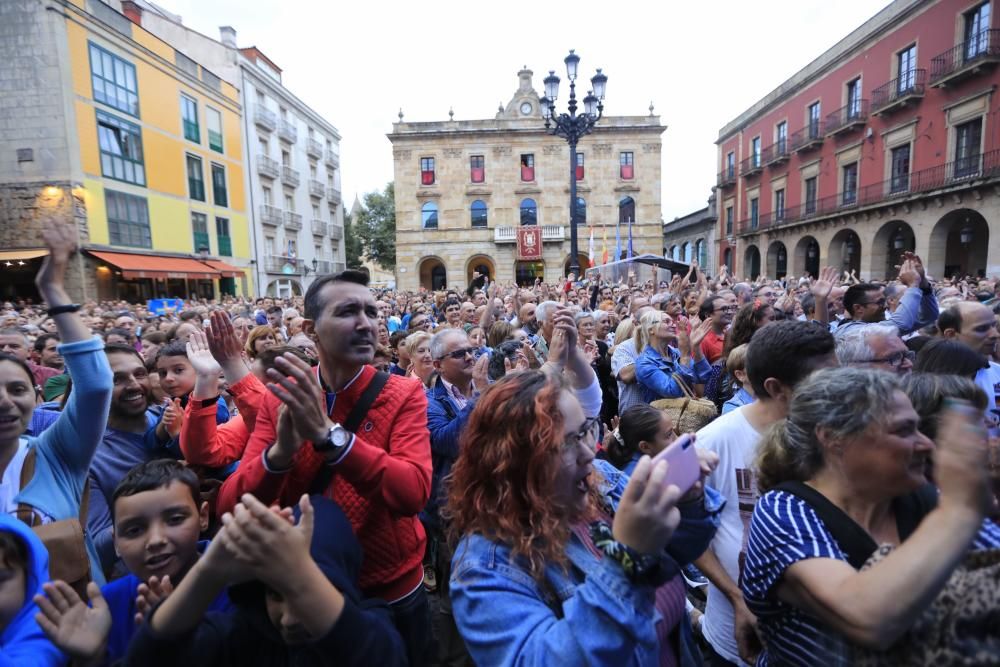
point(529, 242)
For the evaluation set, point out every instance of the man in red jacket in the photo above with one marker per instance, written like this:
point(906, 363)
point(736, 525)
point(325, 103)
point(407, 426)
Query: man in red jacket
point(380, 475)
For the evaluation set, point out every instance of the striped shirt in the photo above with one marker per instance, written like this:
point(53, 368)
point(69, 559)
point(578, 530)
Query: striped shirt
point(785, 530)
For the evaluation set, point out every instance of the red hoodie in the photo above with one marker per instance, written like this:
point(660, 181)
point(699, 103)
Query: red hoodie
point(381, 484)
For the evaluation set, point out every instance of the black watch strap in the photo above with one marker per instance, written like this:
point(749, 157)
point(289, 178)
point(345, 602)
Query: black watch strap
point(59, 310)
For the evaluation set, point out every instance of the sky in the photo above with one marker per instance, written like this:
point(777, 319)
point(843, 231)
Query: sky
point(700, 63)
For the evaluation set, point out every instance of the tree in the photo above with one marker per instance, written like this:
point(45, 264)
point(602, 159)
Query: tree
point(375, 224)
point(353, 244)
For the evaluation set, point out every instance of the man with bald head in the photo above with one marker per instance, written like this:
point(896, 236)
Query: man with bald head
point(973, 324)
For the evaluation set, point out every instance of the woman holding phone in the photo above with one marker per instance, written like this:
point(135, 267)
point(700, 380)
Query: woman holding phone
point(561, 558)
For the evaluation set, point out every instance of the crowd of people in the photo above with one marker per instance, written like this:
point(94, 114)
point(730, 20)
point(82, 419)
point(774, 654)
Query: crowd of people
point(376, 477)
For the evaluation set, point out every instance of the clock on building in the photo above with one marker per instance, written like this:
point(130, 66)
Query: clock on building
point(526, 108)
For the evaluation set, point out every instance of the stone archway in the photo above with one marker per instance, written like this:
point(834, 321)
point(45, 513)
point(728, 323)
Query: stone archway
point(582, 259)
point(433, 275)
point(777, 260)
point(805, 257)
point(483, 264)
point(845, 251)
point(751, 262)
point(891, 241)
point(958, 245)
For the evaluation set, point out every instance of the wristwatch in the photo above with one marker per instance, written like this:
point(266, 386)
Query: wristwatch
point(336, 439)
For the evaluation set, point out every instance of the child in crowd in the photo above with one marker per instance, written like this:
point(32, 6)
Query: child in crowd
point(736, 366)
point(177, 378)
point(158, 517)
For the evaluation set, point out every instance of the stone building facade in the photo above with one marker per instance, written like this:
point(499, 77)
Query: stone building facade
point(886, 143)
point(463, 188)
point(692, 237)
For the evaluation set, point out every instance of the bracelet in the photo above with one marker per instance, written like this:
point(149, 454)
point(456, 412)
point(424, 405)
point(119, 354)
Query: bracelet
point(59, 310)
point(647, 569)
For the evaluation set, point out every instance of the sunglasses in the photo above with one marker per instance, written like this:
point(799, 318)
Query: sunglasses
point(459, 354)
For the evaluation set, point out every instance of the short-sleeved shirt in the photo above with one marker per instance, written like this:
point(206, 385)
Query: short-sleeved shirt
point(628, 394)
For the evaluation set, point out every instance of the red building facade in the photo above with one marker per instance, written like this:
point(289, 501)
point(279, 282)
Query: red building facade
point(888, 142)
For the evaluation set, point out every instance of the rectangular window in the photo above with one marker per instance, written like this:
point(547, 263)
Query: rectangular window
point(968, 137)
point(114, 81)
point(219, 194)
point(286, 159)
point(906, 66)
point(579, 166)
point(814, 110)
point(754, 213)
point(121, 149)
point(213, 120)
point(781, 137)
point(850, 193)
point(477, 169)
point(189, 118)
point(730, 165)
point(900, 180)
point(268, 198)
point(626, 168)
point(779, 205)
point(729, 221)
point(427, 171)
point(755, 152)
point(854, 98)
point(128, 219)
point(527, 167)
point(199, 229)
point(289, 204)
point(222, 234)
point(196, 179)
point(811, 189)
point(977, 31)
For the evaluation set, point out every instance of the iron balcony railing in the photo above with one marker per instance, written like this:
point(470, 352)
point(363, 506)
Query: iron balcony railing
point(314, 148)
point(265, 119)
point(727, 177)
point(847, 117)
point(775, 153)
point(898, 187)
point(267, 166)
point(270, 215)
point(809, 137)
point(336, 232)
point(323, 267)
point(332, 159)
point(318, 227)
point(316, 188)
point(287, 131)
point(907, 86)
point(293, 221)
point(751, 165)
point(333, 194)
point(980, 48)
point(289, 176)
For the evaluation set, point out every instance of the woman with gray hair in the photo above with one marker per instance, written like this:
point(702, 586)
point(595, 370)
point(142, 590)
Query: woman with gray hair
point(843, 474)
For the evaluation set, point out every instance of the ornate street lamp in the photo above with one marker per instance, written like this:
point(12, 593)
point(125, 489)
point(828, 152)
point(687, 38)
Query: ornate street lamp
point(573, 127)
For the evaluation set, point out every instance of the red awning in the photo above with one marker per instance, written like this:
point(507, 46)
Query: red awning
point(156, 266)
point(226, 270)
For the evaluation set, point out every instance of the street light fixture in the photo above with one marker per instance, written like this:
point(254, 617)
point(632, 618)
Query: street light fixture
point(572, 128)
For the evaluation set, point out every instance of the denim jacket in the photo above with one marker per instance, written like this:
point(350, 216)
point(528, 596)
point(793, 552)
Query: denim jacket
point(654, 373)
point(591, 614)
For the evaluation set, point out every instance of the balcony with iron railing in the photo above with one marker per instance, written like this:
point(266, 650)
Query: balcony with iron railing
point(267, 167)
point(775, 154)
point(331, 159)
point(289, 176)
point(314, 148)
point(963, 172)
point(293, 221)
point(333, 194)
point(509, 234)
point(808, 138)
point(980, 52)
point(336, 232)
point(751, 166)
point(265, 119)
point(316, 188)
point(291, 266)
point(906, 89)
point(287, 131)
point(727, 177)
point(270, 215)
point(323, 267)
point(318, 227)
point(847, 118)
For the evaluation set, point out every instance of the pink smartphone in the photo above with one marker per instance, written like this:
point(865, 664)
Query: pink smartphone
point(682, 459)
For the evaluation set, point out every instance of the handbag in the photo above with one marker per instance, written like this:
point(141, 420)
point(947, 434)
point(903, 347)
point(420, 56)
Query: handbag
point(688, 412)
point(64, 540)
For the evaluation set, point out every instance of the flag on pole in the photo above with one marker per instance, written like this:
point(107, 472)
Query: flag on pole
point(590, 248)
point(630, 252)
point(604, 246)
point(618, 240)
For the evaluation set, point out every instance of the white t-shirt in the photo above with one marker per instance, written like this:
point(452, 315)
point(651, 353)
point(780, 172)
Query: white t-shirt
point(735, 441)
point(10, 485)
point(988, 380)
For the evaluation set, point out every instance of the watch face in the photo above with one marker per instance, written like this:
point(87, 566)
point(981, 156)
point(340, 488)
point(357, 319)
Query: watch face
point(339, 437)
point(526, 108)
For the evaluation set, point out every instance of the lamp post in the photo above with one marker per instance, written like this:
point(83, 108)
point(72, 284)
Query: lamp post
point(573, 127)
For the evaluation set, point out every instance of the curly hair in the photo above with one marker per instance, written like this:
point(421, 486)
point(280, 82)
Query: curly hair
point(745, 324)
point(501, 484)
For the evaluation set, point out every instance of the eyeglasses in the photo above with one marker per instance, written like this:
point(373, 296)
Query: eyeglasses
point(587, 433)
point(726, 309)
point(894, 360)
point(459, 354)
point(878, 302)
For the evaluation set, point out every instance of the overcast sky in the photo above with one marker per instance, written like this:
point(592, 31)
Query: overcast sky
point(701, 63)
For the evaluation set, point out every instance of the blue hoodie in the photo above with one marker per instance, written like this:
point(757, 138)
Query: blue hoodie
point(23, 642)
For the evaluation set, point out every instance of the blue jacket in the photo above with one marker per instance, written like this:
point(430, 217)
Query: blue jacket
point(590, 615)
point(445, 420)
point(22, 642)
point(654, 373)
point(916, 310)
point(65, 449)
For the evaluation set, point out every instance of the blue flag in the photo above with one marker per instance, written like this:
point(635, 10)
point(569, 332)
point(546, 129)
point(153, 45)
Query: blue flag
point(618, 241)
point(630, 239)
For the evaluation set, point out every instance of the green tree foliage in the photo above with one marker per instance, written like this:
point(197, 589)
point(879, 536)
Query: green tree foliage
point(353, 249)
point(375, 226)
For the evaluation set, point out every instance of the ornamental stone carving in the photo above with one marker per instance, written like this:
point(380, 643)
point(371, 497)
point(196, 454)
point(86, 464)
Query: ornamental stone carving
point(602, 149)
point(402, 153)
point(453, 152)
point(651, 148)
point(552, 149)
point(501, 150)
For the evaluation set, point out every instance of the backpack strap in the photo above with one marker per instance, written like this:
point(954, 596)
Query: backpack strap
point(26, 513)
point(353, 421)
point(852, 539)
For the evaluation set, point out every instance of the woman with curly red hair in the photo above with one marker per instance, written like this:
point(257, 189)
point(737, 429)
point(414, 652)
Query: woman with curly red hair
point(558, 561)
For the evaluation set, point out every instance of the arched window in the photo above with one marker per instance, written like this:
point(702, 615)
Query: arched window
point(529, 212)
point(699, 252)
point(478, 211)
point(429, 215)
point(626, 210)
point(675, 253)
point(687, 252)
point(727, 259)
point(581, 211)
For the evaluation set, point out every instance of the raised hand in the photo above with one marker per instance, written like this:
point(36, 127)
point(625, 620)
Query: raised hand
point(707, 462)
point(62, 243)
point(296, 385)
point(222, 340)
point(201, 357)
point(698, 334)
point(908, 273)
point(68, 622)
point(821, 288)
point(151, 594)
point(173, 417)
point(960, 459)
point(480, 373)
point(647, 513)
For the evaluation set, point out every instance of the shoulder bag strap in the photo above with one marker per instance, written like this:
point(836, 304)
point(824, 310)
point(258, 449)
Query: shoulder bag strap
point(26, 513)
point(853, 540)
point(683, 384)
point(353, 421)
